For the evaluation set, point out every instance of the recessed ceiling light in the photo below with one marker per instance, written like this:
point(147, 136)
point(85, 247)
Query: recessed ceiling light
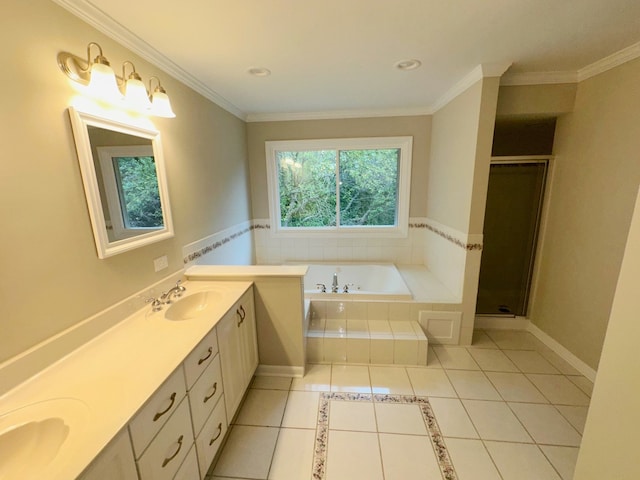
point(259, 72)
point(411, 64)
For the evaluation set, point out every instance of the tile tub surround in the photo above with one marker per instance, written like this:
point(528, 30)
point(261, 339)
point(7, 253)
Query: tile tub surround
point(519, 434)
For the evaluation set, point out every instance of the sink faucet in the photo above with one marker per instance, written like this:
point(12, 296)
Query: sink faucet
point(334, 285)
point(175, 292)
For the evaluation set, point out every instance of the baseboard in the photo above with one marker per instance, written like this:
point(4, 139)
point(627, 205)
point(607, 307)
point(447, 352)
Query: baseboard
point(502, 323)
point(279, 371)
point(566, 355)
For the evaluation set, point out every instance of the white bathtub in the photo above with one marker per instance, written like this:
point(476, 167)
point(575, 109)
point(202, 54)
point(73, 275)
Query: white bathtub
point(364, 282)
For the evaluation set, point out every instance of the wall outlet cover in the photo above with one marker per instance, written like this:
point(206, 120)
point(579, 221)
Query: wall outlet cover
point(160, 263)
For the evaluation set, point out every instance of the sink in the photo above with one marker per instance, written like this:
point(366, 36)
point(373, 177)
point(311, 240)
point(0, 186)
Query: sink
point(34, 437)
point(193, 306)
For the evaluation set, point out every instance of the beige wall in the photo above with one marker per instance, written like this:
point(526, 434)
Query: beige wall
point(417, 126)
point(595, 180)
point(610, 443)
point(51, 277)
point(536, 100)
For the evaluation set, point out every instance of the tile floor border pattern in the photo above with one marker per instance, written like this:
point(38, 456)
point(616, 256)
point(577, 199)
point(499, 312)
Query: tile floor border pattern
point(322, 431)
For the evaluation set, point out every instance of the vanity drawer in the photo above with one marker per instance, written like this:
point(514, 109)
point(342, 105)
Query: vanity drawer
point(153, 415)
point(166, 452)
point(205, 394)
point(189, 468)
point(200, 357)
point(211, 436)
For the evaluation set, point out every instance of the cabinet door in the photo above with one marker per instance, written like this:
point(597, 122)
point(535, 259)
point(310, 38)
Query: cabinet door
point(246, 314)
point(115, 461)
point(230, 345)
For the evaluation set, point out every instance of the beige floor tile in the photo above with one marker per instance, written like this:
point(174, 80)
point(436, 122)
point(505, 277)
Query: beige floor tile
point(495, 421)
point(432, 359)
point(271, 383)
point(390, 380)
point(583, 383)
point(455, 358)
point(577, 416)
point(289, 466)
point(546, 425)
point(397, 449)
point(530, 361)
point(515, 387)
point(474, 385)
point(557, 361)
point(316, 379)
point(452, 418)
point(517, 461)
point(471, 460)
point(350, 378)
point(263, 408)
point(482, 340)
point(354, 416)
point(492, 360)
point(514, 339)
point(563, 458)
point(301, 410)
point(247, 453)
point(399, 418)
point(352, 455)
point(559, 390)
point(431, 382)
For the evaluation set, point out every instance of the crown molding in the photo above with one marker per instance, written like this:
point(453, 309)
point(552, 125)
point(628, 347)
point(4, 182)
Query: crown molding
point(478, 73)
point(338, 114)
point(538, 78)
point(607, 63)
point(107, 25)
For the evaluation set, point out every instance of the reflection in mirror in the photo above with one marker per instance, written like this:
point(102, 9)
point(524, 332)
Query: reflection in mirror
point(123, 174)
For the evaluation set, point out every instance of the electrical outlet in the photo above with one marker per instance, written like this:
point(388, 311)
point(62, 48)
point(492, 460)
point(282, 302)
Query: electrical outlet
point(160, 263)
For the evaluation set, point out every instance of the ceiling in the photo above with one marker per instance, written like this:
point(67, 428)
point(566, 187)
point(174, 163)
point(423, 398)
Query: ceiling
point(336, 57)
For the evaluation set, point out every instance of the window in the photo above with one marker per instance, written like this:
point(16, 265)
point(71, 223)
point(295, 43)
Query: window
point(344, 186)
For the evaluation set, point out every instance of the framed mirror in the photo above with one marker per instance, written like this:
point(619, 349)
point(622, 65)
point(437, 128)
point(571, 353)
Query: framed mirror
point(124, 180)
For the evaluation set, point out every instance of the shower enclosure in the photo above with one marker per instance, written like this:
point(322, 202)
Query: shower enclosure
point(512, 219)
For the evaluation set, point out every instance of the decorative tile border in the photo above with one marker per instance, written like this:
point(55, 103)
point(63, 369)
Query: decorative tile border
point(322, 430)
point(447, 236)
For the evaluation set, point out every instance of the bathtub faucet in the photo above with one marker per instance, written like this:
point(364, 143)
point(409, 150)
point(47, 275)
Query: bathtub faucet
point(334, 285)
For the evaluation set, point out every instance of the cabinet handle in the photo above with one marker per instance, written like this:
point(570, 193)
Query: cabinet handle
point(217, 434)
point(159, 414)
point(243, 314)
point(240, 317)
point(215, 387)
point(209, 352)
point(167, 460)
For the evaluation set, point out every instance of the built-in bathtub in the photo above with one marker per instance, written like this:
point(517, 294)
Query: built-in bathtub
point(363, 282)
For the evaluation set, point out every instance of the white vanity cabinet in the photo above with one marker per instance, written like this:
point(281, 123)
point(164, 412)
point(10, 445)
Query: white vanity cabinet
point(238, 351)
point(115, 461)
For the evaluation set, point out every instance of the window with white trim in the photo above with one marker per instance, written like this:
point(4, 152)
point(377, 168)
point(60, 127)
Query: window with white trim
point(353, 186)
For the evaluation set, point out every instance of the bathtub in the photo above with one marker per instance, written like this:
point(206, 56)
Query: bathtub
point(364, 282)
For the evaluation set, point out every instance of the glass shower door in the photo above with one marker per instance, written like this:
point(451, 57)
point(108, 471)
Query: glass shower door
point(512, 219)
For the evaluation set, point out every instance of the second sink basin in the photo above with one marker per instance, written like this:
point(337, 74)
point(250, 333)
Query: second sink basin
point(192, 306)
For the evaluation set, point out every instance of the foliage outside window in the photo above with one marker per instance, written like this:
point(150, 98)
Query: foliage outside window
point(348, 186)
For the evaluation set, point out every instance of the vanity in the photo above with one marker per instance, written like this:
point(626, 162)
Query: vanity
point(151, 398)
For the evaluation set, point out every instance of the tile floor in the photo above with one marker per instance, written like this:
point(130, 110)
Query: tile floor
point(506, 407)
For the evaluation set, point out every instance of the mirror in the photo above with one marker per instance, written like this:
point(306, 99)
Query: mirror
point(124, 180)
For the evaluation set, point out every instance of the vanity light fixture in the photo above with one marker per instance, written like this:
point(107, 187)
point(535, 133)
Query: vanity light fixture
point(103, 84)
point(160, 104)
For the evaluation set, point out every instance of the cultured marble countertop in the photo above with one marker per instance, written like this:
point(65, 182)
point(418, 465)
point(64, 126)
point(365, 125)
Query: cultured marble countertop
point(108, 379)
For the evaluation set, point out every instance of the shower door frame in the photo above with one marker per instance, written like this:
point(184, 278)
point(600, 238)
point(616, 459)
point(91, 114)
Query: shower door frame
point(536, 254)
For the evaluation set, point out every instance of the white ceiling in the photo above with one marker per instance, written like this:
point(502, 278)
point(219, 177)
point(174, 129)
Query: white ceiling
point(336, 57)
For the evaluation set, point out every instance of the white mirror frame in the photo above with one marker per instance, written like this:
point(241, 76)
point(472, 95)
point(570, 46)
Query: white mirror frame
point(80, 121)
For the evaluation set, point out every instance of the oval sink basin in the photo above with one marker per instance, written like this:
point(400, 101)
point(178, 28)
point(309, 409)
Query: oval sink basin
point(33, 437)
point(192, 306)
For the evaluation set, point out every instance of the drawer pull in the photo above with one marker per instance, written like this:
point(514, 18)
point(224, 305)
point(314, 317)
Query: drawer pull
point(215, 387)
point(167, 460)
point(219, 432)
point(159, 414)
point(242, 314)
point(206, 357)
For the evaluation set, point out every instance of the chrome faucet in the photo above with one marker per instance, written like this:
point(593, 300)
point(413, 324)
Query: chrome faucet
point(175, 292)
point(334, 285)
point(322, 287)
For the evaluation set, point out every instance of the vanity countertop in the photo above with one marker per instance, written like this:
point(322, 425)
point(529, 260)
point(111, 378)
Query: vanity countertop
point(114, 374)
